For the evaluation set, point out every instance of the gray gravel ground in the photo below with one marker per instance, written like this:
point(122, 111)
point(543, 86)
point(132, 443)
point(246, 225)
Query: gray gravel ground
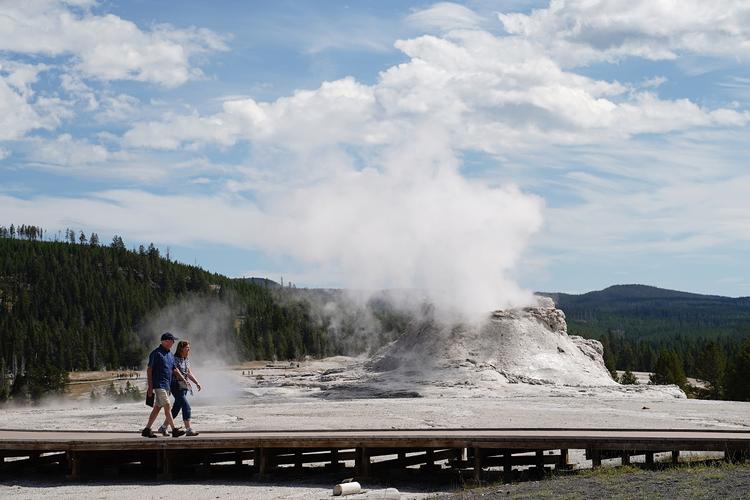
point(686, 481)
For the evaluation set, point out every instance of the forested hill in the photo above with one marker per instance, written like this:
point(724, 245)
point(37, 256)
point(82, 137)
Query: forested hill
point(669, 333)
point(78, 305)
point(650, 313)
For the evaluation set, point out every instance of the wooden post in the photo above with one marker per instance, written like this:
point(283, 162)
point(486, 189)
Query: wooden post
point(564, 456)
point(507, 466)
point(335, 464)
point(596, 459)
point(649, 458)
point(540, 462)
point(625, 458)
point(264, 459)
point(362, 462)
point(478, 464)
point(401, 459)
point(74, 465)
point(164, 464)
point(238, 458)
point(429, 460)
point(675, 457)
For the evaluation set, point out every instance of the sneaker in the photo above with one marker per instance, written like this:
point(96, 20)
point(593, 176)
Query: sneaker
point(148, 433)
point(177, 432)
point(191, 432)
point(163, 431)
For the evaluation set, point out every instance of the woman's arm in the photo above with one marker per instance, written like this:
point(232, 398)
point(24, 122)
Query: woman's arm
point(192, 377)
point(181, 376)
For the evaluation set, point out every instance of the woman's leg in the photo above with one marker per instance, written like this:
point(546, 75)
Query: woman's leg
point(179, 403)
point(186, 411)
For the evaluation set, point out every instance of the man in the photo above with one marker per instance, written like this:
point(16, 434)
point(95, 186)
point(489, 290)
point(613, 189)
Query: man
point(159, 374)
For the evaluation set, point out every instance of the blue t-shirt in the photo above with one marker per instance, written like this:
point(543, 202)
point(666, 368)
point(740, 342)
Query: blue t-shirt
point(161, 362)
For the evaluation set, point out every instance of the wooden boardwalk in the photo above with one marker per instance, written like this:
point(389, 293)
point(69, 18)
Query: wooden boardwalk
point(368, 450)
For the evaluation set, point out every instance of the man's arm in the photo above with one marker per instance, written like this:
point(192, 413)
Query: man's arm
point(150, 381)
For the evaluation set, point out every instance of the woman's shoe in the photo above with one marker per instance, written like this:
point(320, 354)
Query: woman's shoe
point(191, 432)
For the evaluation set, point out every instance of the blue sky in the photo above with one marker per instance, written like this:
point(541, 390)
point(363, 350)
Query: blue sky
point(487, 148)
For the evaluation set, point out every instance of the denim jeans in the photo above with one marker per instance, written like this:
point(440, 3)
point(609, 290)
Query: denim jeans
point(181, 403)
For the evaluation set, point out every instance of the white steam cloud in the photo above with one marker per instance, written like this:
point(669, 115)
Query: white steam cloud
point(207, 323)
point(414, 223)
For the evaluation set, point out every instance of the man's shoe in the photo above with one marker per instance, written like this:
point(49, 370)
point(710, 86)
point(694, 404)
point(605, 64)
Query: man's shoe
point(177, 432)
point(148, 433)
point(163, 431)
point(191, 432)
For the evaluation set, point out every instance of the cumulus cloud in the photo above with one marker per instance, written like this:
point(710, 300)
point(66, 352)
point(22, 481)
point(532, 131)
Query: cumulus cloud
point(578, 32)
point(21, 111)
point(104, 47)
point(493, 93)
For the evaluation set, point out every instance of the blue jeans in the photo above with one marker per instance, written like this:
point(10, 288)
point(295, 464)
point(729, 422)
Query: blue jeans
point(181, 403)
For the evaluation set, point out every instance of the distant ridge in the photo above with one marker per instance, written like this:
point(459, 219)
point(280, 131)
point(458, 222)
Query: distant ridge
point(644, 311)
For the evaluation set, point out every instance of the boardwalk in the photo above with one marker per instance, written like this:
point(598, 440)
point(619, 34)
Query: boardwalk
point(368, 450)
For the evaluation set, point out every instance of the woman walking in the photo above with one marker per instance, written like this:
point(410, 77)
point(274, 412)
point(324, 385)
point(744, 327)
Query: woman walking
point(180, 389)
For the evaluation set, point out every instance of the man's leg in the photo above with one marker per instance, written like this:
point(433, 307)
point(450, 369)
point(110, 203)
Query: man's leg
point(152, 416)
point(168, 415)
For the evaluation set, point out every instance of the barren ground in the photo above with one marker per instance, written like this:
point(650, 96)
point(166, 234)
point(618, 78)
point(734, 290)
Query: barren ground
point(314, 395)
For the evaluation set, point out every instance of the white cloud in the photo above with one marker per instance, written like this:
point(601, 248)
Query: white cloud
point(577, 32)
point(105, 47)
point(64, 150)
point(16, 116)
point(493, 93)
point(337, 113)
point(445, 16)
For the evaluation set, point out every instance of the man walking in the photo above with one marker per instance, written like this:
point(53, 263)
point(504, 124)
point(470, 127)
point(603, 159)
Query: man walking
point(159, 375)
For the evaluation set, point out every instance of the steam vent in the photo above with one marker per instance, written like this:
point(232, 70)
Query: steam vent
point(519, 346)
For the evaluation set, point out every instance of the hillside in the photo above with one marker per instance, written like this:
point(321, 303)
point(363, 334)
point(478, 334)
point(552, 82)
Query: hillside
point(650, 313)
point(79, 305)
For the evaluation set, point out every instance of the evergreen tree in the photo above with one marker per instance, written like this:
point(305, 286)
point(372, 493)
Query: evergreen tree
point(669, 370)
point(738, 387)
point(711, 367)
point(628, 378)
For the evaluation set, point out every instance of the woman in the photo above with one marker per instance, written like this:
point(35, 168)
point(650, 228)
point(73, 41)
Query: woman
point(180, 387)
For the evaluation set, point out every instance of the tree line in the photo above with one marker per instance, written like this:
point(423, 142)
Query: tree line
point(74, 304)
point(722, 363)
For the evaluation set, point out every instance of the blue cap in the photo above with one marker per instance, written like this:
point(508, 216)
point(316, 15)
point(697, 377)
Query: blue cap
point(168, 336)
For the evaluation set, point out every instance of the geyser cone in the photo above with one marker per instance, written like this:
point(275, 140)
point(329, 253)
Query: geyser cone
point(528, 345)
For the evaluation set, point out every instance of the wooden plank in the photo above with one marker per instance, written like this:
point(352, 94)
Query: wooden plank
point(415, 459)
point(521, 460)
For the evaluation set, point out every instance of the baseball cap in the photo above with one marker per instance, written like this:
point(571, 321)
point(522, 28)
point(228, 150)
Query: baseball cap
point(168, 336)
